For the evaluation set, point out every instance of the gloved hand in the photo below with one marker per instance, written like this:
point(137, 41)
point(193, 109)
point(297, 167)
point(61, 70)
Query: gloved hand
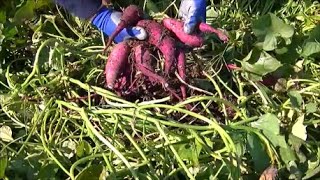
point(107, 20)
point(192, 12)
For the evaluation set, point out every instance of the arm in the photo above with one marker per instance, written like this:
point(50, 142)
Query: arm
point(105, 19)
point(84, 9)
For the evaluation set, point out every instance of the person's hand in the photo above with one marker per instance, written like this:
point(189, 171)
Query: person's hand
point(107, 20)
point(192, 12)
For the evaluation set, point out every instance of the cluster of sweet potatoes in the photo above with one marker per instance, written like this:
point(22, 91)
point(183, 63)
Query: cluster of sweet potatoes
point(166, 37)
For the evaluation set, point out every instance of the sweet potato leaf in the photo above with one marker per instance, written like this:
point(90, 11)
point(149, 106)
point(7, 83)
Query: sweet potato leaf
point(269, 28)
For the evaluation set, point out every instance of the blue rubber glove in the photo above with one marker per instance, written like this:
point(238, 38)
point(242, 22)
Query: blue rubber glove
point(107, 20)
point(192, 12)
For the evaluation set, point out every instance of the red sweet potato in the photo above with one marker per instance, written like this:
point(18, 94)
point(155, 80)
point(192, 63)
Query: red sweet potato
point(176, 26)
point(193, 40)
point(143, 63)
point(157, 36)
point(205, 28)
point(181, 66)
point(131, 15)
point(116, 60)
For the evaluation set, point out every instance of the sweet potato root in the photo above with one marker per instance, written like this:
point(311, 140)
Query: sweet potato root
point(176, 26)
point(193, 40)
point(205, 28)
point(143, 58)
point(116, 60)
point(131, 15)
point(157, 36)
point(143, 63)
point(181, 66)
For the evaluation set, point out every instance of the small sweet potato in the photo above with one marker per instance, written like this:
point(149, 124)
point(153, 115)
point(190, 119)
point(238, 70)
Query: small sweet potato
point(205, 28)
point(116, 60)
point(131, 15)
point(181, 66)
point(157, 36)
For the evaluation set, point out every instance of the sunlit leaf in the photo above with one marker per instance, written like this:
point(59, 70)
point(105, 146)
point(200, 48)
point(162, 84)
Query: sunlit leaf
point(268, 122)
point(298, 129)
point(270, 126)
point(6, 134)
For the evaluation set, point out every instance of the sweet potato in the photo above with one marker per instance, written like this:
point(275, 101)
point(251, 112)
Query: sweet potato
point(143, 63)
point(176, 26)
point(181, 66)
point(116, 60)
point(131, 15)
point(193, 40)
point(205, 28)
point(157, 36)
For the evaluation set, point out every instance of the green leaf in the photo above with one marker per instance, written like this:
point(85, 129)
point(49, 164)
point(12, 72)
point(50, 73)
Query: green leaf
point(49, 171)
point(6, 134)
point(3, 165)
point(270, 126)
point(287, 154)
point(299, 130)
point(265, 64)
point(268, 122)
point(311, 108)
point(259, 156)
point(151, 7)
point(312, 44)
point(188, 152)
point(313, 167)
point(277, 140)
point(94, 172)
point(25, 12)
point(2, 17)
point(268, 28)
point(1, 36)
point(310, 48)
point(295, 99)
point(83, 149)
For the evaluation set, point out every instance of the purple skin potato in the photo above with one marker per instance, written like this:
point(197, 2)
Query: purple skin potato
point(116, 60)
point(157, 36)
